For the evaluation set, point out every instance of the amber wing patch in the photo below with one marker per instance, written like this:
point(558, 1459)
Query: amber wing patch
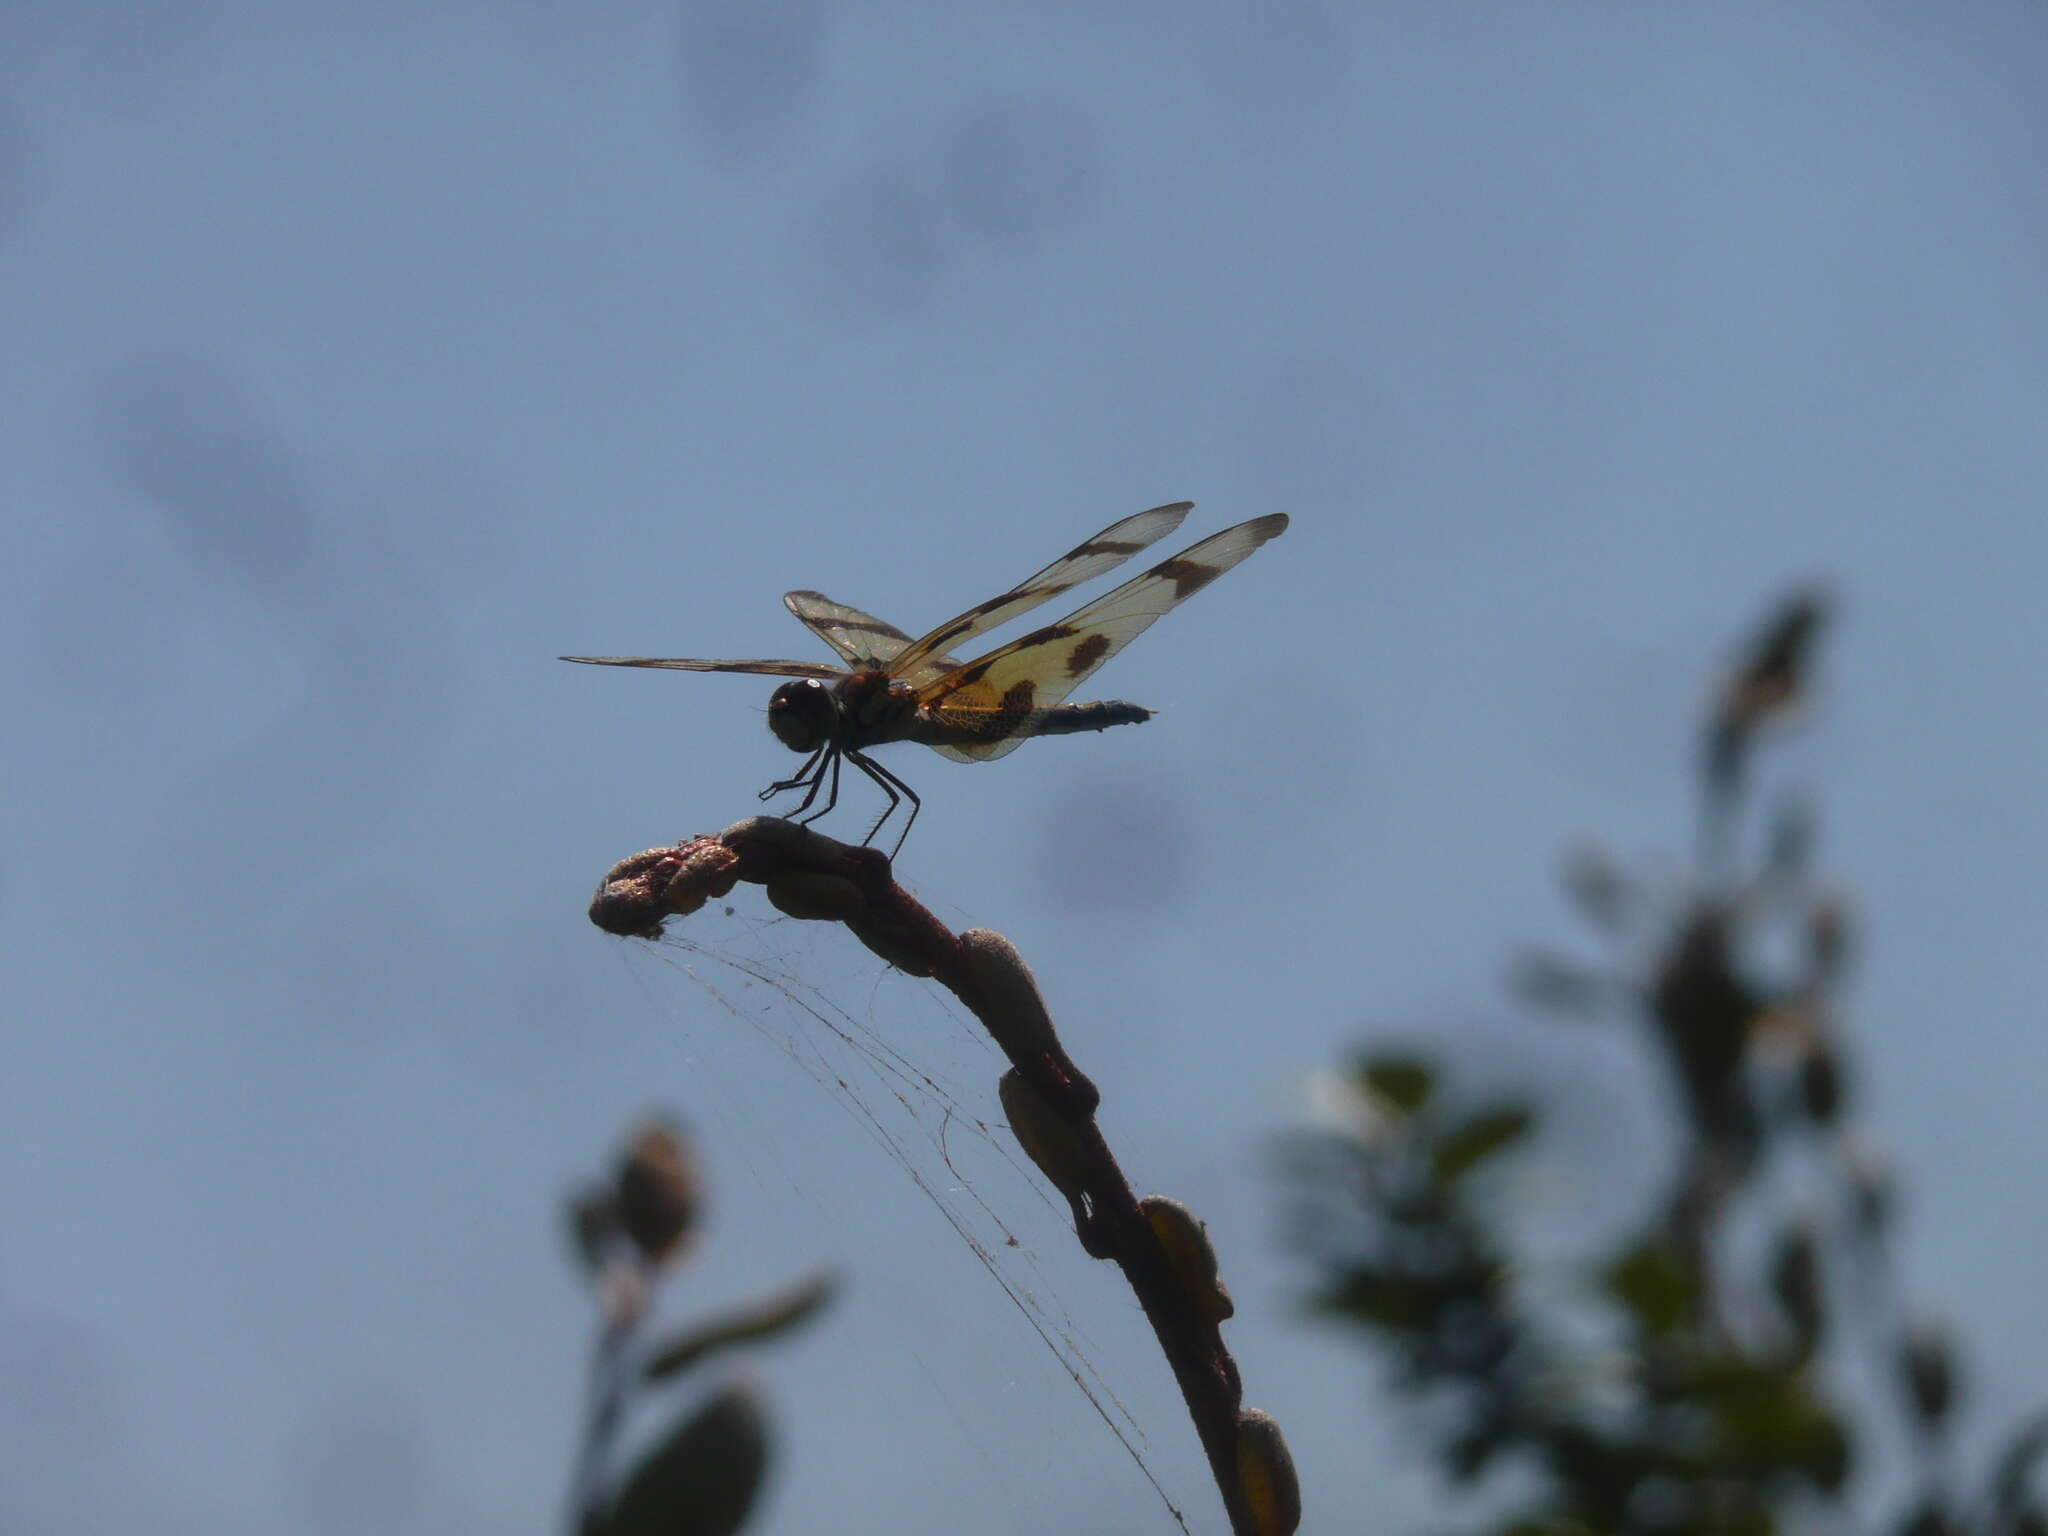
point(1084, 562)
point(989, 706)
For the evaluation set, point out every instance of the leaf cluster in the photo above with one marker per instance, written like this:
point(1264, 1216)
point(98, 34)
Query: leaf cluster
point(703, 1476)
point(1686, 1380)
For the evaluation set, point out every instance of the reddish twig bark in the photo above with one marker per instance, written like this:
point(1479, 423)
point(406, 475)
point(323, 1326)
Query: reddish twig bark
point(1158, 1246)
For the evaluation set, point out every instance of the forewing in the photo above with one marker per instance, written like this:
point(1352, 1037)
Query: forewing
point(863, 639)
point(1084, 562)
point(817, 669)
point(999, 697)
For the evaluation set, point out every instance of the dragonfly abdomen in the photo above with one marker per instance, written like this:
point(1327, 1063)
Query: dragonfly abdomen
point(1067, 718)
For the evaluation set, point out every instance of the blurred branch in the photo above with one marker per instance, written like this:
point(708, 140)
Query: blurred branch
point(607, 1411)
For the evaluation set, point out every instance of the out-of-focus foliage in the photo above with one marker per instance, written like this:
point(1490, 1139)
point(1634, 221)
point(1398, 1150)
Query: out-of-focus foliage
point(763, 1318)
point(700, 1480)
point(1686, 1380)
point(656, 1197)
point(628, 1234)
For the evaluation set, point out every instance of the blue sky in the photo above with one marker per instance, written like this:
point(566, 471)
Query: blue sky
point(359, 360)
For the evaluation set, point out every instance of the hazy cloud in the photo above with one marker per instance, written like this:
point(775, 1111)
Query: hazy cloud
point(1019, 171)
point(872, 246)
point(183, 434)
point(1138, 836)
point(751, 72)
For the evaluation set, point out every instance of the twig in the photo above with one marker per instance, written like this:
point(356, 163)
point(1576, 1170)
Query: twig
point(808, 875)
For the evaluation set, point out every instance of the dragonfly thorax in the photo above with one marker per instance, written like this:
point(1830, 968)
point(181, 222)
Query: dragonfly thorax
point(878, 707)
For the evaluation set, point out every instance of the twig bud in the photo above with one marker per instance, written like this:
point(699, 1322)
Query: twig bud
point(1191, 1255)
point(1053, 1143)
point(657, 1192)
point(1265, 1474)
point(1010, 988)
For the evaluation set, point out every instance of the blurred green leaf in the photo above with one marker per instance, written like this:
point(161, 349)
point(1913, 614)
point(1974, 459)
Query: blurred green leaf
point(1927, 1362)
point(1706, 1008)
point(1767, 1416)
point(1796, 1282)
point(1402, 1082)
point(1656, 1286)
point(774, 1313)
point(1768, 682)
point(2015, 1465)
point(1828, 1456)
point(1928, 1519)
point(1381, 1301)
point(1468, 1454)
point(702, 1479)
point(1820, 1083)
point(1479, 1138)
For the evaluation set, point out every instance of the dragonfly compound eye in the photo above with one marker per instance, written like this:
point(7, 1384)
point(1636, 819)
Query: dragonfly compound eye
point(800, 715)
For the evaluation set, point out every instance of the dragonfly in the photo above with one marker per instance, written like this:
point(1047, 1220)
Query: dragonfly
point(895, 688)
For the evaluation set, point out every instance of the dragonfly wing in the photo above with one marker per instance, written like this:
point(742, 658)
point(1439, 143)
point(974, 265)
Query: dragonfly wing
point(817, 669)
point(863, 639)
point(991, 705)
point(1084, 562)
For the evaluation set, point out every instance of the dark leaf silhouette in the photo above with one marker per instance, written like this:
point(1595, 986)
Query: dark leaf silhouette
point(1928, 1365)
point(702, 1479)
point(764, 1318)
point(1401, 1083)
point(1656, 1286)
point(1769, 681)
point(1480, 1138)
point(2015, 1465)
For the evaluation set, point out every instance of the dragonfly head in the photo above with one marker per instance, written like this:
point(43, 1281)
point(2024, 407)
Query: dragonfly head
point(803, 714)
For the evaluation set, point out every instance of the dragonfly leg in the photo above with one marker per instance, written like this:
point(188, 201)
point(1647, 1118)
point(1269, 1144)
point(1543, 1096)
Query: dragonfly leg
point(809, 779)
point(896, 790)
point(801, 778)
point(829, 767)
